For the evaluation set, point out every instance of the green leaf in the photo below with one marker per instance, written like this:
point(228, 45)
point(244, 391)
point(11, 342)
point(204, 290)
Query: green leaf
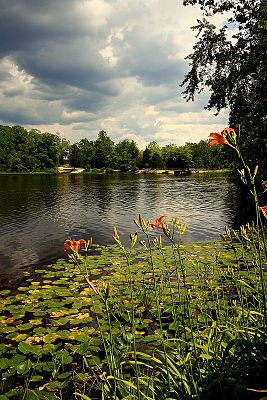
point(25, 327)
point(206, 356)
point(36, 378)
point(25, 348)
point(4, 363)
point(24, 367)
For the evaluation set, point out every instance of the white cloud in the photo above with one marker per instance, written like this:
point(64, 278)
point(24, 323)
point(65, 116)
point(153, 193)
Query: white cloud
point(79, 66)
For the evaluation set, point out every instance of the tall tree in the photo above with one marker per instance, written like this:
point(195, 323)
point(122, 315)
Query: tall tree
point(152, 156)
point(87, 152)
point(104, 148)
point(231, 62)
point(125, 156)
point(75, 158)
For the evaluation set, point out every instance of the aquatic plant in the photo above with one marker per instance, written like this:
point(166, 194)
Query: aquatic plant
point(145, 322)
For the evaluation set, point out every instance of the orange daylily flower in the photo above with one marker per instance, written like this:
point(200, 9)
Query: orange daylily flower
point(227, 130)
point(158, 222)
point(218, 137)
point(264, 209)
point(73, 244)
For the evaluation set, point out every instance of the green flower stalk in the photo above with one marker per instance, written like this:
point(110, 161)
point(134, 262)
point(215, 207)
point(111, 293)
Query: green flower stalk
point(228, 137)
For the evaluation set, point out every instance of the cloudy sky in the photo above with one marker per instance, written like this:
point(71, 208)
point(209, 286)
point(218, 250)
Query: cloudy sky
point(80, 66)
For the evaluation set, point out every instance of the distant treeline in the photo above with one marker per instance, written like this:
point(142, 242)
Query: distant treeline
point(23, 151)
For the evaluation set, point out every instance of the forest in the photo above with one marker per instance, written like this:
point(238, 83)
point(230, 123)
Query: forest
point(33, 151)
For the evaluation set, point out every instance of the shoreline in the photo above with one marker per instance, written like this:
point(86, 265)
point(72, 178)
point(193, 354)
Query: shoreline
point(80, 171)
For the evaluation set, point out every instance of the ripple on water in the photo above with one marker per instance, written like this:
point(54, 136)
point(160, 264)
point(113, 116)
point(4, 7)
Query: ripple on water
point(37, 213)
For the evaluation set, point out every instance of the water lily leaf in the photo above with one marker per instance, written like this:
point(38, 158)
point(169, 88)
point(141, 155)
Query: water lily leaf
point(64, 357)
point(64, 375)
point(25, 327)
point(4, 363)
point(40, 395)
point(17, 337)
point(63, 334)
point(25, 348)
point(45, 366)
point(4, 292)
point(56, 385)
point(36, 378)
point(82, 348)
point(50, 337)
point(8, 329)
point(24, 367)
point(63, 321)
point(17, 358)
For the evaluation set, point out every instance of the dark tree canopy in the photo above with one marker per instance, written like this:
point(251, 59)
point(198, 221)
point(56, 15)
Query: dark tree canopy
point(234, 69)
point(231, 63)
point(23, 151)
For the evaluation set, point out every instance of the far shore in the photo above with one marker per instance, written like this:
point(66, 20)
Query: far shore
point(74, 171)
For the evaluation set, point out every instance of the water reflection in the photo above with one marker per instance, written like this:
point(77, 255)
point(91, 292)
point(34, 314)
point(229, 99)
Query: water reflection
point(38, 212)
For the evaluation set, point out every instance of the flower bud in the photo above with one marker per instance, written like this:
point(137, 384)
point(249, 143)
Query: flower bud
point(107, 291)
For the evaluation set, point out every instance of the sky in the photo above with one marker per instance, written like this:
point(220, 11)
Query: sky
point(76, 67)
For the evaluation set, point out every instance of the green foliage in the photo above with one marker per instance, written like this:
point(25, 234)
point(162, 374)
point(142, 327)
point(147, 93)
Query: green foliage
point(22, 151)
point(201, 302)
point(75, 157)
point(230, 62)
point(125, 156)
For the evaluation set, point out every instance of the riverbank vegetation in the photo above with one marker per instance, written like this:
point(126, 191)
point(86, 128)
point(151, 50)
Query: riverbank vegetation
point(147, 322)
point(23, 151)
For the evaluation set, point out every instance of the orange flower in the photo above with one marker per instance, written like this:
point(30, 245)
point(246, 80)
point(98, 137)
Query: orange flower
point(73, 244)
point(264, 209)
point(218, 138)
point(157, 222)
point(228, 130)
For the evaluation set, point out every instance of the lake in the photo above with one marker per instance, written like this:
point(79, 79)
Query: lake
point(39, 212)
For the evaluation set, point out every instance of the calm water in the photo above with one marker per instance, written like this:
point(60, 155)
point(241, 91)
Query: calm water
point(38, 212)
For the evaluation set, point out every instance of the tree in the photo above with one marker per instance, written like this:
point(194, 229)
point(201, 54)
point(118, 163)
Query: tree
point(169, 154)
point(152, 156)
point(104, 148)
point(48, 152)
point(231, 63)
point(125, 156)
point(87, 152)
point(75, 158)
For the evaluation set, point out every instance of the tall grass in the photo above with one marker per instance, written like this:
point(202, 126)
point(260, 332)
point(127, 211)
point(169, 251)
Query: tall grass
point(191, 328)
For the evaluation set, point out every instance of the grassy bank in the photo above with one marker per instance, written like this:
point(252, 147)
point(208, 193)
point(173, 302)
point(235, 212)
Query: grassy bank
point(179, 322)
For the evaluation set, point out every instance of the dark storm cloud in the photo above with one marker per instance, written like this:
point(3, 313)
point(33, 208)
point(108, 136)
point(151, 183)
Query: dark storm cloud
point(55, 44)
point(94, 64)
point(147, 56)
point(27, 24)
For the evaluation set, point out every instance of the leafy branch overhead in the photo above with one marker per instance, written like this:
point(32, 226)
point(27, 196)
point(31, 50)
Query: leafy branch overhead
point(229, 60)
